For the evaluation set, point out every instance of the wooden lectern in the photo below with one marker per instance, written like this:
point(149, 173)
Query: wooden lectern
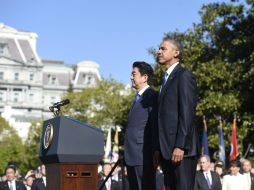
point(71, 151)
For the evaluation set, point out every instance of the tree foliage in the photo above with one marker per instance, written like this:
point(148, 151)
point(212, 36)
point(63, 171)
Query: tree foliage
point(219, 51)
point(32, 146)
point(104, 105)
point(11, 146)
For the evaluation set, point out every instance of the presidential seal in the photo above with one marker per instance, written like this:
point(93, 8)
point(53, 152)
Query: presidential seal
point(48, 136)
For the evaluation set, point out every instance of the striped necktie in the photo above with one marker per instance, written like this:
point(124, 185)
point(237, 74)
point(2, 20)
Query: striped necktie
point(164, 80)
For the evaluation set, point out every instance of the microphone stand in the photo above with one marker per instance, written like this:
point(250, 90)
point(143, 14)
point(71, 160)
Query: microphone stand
point(55, 110)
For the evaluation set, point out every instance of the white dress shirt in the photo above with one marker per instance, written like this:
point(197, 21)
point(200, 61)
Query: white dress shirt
point(234, 182)
point(170, 69)
point(13, 184)
point(143, 90)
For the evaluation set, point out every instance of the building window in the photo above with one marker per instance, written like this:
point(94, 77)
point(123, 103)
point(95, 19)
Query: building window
point(1, 96)
point(52, 99)
point(31, 77)
point(89, 80)
point(31, 97)
point(3, 49)
point(52, 79)
point(16, 97)
point(16, 76)
point(1, 75)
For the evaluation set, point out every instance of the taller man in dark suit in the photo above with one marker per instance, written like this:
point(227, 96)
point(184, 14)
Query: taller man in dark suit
point(138, 135)
point(178, 137)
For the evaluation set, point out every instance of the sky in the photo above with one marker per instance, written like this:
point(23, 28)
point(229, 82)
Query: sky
point(112, 33)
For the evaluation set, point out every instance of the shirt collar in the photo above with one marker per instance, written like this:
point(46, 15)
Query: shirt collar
point(143, 90)
point(171, 68)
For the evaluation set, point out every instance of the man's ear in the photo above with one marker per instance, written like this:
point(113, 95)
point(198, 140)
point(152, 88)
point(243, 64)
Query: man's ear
point(145, 77)
point(177, 53)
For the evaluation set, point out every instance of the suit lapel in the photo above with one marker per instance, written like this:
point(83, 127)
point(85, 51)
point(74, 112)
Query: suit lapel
point(204, 180)
point(137, 104)
point(170, 78)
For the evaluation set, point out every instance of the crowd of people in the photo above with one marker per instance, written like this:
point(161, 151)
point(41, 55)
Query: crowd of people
point(33, 180)
point(239, 175)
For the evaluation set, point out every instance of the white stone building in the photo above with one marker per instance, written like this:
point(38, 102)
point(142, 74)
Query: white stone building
point(29, 85)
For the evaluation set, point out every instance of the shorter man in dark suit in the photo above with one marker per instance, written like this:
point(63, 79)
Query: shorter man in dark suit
point(246, 165)
point(140, 130)
point(205, 178)
point(11, 183)
point(40, 183)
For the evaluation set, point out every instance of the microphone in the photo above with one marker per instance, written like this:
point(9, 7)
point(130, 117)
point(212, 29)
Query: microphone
point(59, 104)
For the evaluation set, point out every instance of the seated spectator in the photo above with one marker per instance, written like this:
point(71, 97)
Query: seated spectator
point(11, 183)
point(234, 180)
point(206, 179)
point(110, 184)
point(40, 183)
point(219, 168)
point(29, 181)
point(246, 166)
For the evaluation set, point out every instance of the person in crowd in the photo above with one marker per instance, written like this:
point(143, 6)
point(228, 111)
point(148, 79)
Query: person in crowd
point(11, 183)
point(110, 183)
point(206, 179)
point(121, 178)
point(234, 180)
point(178, 136)
point(219, 169)
point(138, 146)
point(40, 183)
point(29, 181)
point(246, 166)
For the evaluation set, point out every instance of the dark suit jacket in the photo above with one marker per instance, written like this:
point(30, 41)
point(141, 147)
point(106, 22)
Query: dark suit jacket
point(38, 184)
point(177, 103)
point(114, 185)
point(138, 132)
point(201, 183)
point(19, 186)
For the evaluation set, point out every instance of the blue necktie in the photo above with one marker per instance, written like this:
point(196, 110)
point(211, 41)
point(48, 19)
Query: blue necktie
point(208, 180)
point(135, 100)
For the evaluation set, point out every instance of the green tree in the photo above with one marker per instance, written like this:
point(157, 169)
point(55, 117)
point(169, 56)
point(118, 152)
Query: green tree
point(104, 105)
point(11, 147)
point(32, 146)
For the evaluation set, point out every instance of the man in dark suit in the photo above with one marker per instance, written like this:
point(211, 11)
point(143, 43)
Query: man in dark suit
point(138, 135)
point(11, 183)
point(205, 178)
point(40, 183)
point(178, 137)
point(246, 166)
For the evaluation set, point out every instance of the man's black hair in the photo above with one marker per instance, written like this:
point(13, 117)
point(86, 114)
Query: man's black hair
point(10, 167)
point(144, 69)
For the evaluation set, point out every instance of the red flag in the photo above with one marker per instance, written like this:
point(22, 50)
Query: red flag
point(234, 147)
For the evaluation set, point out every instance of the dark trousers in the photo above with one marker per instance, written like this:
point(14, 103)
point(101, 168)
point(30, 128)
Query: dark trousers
point(180, 177)
point(141, 177)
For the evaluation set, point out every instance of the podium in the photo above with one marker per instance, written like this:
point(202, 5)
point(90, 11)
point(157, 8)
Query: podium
point(71, 151)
